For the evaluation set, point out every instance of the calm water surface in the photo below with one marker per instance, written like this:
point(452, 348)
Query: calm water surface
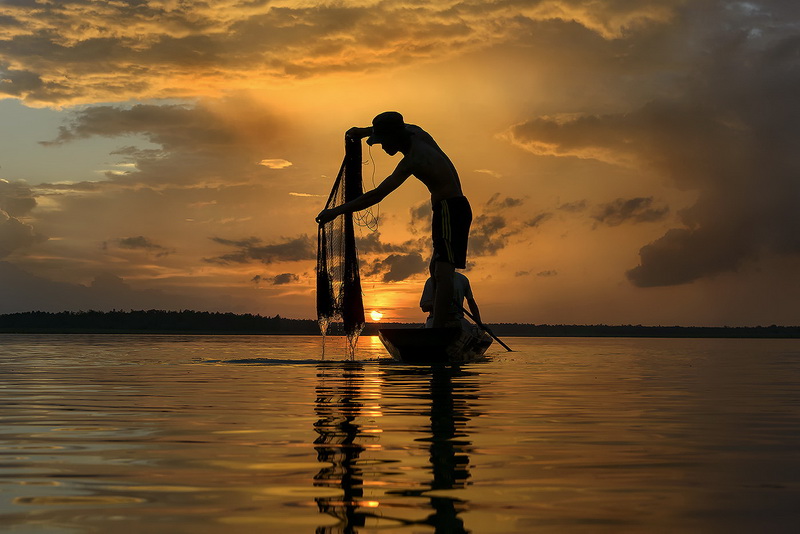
point(219, 434)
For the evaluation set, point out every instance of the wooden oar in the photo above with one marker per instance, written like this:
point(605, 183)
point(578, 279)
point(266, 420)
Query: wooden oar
point(485, 329)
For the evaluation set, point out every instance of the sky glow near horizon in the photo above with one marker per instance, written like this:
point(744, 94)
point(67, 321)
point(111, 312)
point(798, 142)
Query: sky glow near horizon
point(627, 162)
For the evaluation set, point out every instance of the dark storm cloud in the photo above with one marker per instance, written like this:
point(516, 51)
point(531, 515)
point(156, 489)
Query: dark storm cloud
point(285, 278)
point(16, 200)
point(174, 126)
point(143, 243)
point(495, 203)
point(251, 249)
point(160, 123)
point(682, 255)
point(420, 222)
point(537, 220)
point(635, 210)
point(197, 145)
point(19, 82)
point(487, 235)
point(491, 229)
point(372, 243)
point(234, 126)
point(396, 267)
point(15, 235)
point(247, 242)
point(573, 207)
point(730, 131)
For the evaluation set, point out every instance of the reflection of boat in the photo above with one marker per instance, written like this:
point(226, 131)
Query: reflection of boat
point(435, 345)
point(451, 390)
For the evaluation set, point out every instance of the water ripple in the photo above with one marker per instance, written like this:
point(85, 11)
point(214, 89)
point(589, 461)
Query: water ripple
point(210, 433)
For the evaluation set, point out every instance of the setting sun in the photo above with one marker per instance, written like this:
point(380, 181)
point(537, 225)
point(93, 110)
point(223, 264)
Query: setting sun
point(375, 315)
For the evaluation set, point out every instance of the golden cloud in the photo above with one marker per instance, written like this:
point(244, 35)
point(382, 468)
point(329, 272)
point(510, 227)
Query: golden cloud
point(275, 163)
point(84, 51)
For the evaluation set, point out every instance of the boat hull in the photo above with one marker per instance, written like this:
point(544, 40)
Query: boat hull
point(434, 345)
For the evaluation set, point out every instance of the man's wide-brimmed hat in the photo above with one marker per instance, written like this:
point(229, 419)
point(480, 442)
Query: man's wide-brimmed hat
point(386, 124)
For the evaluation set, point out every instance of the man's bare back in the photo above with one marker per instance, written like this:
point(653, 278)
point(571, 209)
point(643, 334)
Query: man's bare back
point(426, 161)
point(422, 158)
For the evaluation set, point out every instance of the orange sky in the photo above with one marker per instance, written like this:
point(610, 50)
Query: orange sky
point(628, 162)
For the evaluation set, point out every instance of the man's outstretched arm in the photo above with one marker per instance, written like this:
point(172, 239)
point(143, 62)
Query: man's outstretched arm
point(370, 198)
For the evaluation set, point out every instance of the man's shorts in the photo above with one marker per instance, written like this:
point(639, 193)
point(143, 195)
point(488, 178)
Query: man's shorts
point(451, 220)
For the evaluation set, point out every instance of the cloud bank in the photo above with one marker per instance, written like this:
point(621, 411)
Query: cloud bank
point(251, 249)
point(731, 134)
point(208, 143)
point(16, 201)
point(142, 243)
point(76, 51)
point(636, 210)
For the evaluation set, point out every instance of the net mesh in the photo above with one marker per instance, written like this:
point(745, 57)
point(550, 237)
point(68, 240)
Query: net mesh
point(338, 280)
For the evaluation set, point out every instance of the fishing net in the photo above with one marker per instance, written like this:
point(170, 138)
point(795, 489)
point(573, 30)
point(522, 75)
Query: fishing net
point(338, 280)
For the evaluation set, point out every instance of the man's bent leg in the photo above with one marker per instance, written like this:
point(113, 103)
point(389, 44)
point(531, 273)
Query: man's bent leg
point(443, 274)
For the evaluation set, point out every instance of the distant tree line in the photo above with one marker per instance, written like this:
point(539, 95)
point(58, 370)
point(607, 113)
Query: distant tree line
point(196, 322)
point(156, 321)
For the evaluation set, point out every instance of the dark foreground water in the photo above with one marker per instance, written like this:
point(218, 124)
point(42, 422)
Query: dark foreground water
point(218, 434)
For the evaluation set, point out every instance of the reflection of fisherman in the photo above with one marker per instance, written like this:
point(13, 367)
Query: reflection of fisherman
point(461, 291)
point(452, 214)
point(339, 445)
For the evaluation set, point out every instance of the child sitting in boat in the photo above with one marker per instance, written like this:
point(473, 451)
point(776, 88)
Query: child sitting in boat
point(461, 291)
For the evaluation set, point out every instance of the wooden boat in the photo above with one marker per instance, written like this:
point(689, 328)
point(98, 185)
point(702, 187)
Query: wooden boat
point(435, 345)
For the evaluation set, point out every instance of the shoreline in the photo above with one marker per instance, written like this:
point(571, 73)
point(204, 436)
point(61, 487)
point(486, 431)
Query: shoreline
point(188, 322)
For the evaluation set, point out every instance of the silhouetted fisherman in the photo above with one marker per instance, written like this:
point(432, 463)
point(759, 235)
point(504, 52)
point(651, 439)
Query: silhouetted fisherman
point(452, 214)
point(461, 291)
